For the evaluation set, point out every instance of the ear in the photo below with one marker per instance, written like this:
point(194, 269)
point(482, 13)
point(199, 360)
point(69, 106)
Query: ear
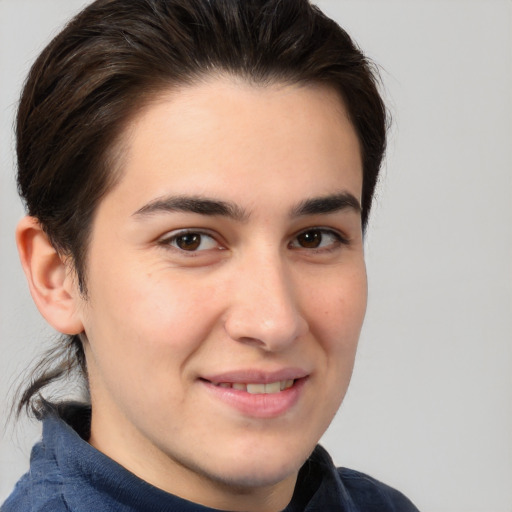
point(50, 278)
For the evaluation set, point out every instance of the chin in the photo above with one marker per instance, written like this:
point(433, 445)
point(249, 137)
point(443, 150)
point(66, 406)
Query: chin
point(266, 469)
point(253, 477)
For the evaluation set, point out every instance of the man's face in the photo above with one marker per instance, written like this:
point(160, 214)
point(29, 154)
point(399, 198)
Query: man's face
point(226, 288)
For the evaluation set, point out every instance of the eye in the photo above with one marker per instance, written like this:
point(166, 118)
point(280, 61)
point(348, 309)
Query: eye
point(191, 241)
point(318, 238)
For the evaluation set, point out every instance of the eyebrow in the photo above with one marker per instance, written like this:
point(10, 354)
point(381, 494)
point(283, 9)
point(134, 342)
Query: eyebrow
point(193, 204)
point(213, 207)
point(327, 204)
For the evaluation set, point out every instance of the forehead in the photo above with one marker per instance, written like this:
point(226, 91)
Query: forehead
point(208, 135)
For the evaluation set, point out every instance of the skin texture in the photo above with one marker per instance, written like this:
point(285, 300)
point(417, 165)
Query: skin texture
point(246, 297)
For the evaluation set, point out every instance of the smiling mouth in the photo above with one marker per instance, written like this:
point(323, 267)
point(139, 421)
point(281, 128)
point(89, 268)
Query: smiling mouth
point(258, 395)
point(258, 388)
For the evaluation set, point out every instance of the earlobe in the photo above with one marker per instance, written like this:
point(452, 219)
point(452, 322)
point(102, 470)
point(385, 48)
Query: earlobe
point(49, 277)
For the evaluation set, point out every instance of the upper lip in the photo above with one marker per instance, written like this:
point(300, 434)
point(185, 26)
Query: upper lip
point(256, 376)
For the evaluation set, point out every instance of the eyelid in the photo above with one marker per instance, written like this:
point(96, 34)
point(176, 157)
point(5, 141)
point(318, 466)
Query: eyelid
point(340, 237)
point(167, 239)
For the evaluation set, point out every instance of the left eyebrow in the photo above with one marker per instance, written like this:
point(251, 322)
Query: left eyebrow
point(327, 204)
point(193, 204)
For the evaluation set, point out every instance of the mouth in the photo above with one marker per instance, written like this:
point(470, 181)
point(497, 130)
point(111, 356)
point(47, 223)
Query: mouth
point(258, 395)
point(257, 388)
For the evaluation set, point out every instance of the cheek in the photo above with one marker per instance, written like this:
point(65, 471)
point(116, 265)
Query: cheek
point(155, 301)
point(141, 334)
point(145, 321)
point(338, 309)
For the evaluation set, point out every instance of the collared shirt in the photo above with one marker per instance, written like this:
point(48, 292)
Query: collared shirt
point(67, 474)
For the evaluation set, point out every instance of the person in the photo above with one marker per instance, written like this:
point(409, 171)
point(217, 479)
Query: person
point(198, 177)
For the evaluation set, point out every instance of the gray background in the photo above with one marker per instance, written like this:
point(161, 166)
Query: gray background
point(430, 406)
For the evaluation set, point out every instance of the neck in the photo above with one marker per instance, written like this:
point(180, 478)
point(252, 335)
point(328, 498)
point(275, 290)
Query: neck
point(179, 478)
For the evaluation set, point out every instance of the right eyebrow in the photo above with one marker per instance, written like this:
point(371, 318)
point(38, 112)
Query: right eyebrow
point(192, 204)
point(325, 205)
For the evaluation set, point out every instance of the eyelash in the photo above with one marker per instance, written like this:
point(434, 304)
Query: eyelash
point(339, 239)
point(172, 240)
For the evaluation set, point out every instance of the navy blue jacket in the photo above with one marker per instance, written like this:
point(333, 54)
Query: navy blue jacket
point(68, 475)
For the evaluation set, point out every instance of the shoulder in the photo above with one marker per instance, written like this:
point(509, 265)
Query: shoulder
point(34, 495)
point(41, 488)
point(371, 495)
point(355, 491)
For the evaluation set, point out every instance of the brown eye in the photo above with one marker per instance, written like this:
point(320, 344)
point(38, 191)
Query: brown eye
point(322, 239)
point(310, 239)
point(188, 241)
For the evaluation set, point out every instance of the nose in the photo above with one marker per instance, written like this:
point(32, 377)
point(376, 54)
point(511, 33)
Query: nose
point(264, 308)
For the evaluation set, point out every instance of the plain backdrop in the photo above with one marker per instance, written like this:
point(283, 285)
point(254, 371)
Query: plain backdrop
point(430, 406)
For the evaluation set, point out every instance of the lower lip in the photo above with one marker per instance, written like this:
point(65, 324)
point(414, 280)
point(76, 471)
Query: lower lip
point(264, 405)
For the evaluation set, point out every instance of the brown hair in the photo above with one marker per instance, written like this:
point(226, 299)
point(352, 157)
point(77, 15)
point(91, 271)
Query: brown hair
point(115, 55)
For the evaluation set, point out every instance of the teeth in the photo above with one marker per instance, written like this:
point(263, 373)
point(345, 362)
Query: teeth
point(273, 387)
point(258, 388)
point(285, 384)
